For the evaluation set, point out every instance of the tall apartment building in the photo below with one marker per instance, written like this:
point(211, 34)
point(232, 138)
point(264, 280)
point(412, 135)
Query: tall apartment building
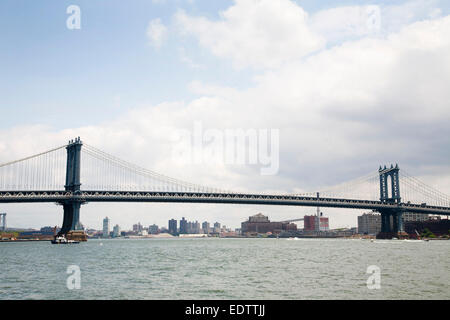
point(206, 227)
point(106, 227)
point(183, 226)
point(195, 227)
point(173, 227)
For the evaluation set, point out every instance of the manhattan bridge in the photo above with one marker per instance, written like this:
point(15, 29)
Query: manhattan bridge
point(77, 173)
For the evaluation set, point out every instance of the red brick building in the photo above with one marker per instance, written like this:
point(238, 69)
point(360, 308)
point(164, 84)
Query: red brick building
point(315, 223)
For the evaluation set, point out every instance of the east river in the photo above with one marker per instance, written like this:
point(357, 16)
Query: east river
point(213, 268)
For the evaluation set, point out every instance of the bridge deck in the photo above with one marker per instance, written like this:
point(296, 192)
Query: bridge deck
point(195, 197)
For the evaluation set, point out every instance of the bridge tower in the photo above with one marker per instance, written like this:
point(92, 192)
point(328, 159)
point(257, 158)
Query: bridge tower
point(72, 207)
point(393, 174)
point(391, 219)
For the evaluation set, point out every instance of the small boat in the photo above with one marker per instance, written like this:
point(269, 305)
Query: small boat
point(63, 240)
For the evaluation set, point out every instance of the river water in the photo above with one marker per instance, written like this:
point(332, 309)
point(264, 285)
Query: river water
point(213, 268)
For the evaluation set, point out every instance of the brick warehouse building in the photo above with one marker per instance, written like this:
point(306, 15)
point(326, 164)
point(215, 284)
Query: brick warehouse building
point(315, 223)
point(260, 223)
point(438, 226)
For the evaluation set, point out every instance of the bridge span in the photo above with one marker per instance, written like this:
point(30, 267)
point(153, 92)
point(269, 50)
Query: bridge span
point(224, 198)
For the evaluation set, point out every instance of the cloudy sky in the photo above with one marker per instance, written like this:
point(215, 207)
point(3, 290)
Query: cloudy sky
point(349, 85)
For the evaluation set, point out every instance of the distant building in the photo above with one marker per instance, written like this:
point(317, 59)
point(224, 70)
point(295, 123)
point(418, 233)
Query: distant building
point(205, 227)
point(164, 230)
point(369, 223)
point(217, 227)
point(106, 227)
point(183, 226)
point(173, 227)
point(50, 229)
point(153, 229)
point(116, 231)
point(196, 227)
point(138, 227)
point(411, 216)
point(193, 227)
point(3, 221)
point(437, 225)
point(260, 223)
point(34, 234)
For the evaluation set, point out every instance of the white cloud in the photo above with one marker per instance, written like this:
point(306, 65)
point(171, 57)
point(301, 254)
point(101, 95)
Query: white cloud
point(258, 33)
point(337, 24)
point(185, 58)
point(156, 32)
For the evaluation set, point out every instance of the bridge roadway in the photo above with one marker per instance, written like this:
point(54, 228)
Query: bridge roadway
point(198, 197)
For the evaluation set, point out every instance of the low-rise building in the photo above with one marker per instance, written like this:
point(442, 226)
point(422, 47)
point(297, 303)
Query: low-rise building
point(412, 216)
point(153, 229)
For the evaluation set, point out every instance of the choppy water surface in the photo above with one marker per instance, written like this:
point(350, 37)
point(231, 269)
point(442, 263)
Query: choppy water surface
point(226, 269)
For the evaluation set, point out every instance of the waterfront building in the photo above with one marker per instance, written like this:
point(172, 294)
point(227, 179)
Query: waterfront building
point(183, 226)
point(316, 223)
point(153, 229)
point(173, 227)
point(116, 231)
point(217, 227)
point(164, 230)
point(436, 225)
point(369, 223)
point(260, 223)
point(50, 229)
point(412, 216)
point(106, 227)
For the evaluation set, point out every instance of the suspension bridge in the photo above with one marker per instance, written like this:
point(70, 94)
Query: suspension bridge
point(56, 176)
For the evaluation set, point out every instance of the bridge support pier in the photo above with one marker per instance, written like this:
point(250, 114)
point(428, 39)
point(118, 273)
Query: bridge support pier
point(71, 217)
point(395, 230)
point(71, 227)
point(385, 222)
